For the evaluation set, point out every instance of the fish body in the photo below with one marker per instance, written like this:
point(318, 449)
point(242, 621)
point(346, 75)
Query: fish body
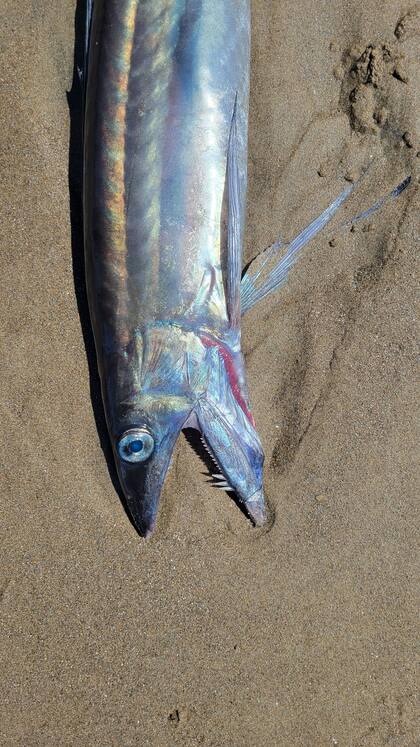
point(164, 197)
point(165, 170)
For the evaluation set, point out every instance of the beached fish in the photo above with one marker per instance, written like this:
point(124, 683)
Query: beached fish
point(164, 194)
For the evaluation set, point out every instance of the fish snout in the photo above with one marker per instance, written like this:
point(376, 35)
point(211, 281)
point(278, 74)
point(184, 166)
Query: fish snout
point(256, 508)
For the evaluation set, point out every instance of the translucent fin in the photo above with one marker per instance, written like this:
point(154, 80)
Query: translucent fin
point(234, 243)
point(379, 204)
point(261, 278)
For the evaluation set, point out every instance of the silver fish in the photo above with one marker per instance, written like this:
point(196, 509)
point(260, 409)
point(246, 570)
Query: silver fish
point(165, 169)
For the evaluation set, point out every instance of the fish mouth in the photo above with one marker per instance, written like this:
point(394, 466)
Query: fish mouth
point(142, 481)
point(254, 507)
point(196, 439)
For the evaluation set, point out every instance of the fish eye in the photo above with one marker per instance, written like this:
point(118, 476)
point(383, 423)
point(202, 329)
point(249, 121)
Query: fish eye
point(136, 445)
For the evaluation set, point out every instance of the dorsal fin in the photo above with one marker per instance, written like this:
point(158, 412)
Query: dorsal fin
point(84, 53)
point(89, 12)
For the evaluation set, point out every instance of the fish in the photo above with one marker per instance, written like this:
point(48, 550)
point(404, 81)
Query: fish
point(166, 87)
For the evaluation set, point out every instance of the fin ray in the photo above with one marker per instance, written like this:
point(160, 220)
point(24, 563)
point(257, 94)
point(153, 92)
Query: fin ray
point(259, 282)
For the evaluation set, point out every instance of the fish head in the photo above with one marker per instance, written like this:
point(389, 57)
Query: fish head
point(178, 379)
point(147, 401)
point(143, 449)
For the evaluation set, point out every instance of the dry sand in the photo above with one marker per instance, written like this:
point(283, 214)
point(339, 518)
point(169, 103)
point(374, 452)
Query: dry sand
point(213, 633)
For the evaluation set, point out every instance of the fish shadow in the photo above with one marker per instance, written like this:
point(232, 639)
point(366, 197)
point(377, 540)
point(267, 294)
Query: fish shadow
point(75, 183)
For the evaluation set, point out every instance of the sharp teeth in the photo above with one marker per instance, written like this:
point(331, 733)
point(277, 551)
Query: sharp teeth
point(224, 485)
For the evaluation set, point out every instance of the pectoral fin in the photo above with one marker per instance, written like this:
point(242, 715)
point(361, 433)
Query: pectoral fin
point(269, 270)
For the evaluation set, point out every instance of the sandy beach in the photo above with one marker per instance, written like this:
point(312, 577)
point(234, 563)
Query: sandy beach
point(213, 633)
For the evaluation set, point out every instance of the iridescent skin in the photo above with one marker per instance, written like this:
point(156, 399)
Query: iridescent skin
point(165, 183)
